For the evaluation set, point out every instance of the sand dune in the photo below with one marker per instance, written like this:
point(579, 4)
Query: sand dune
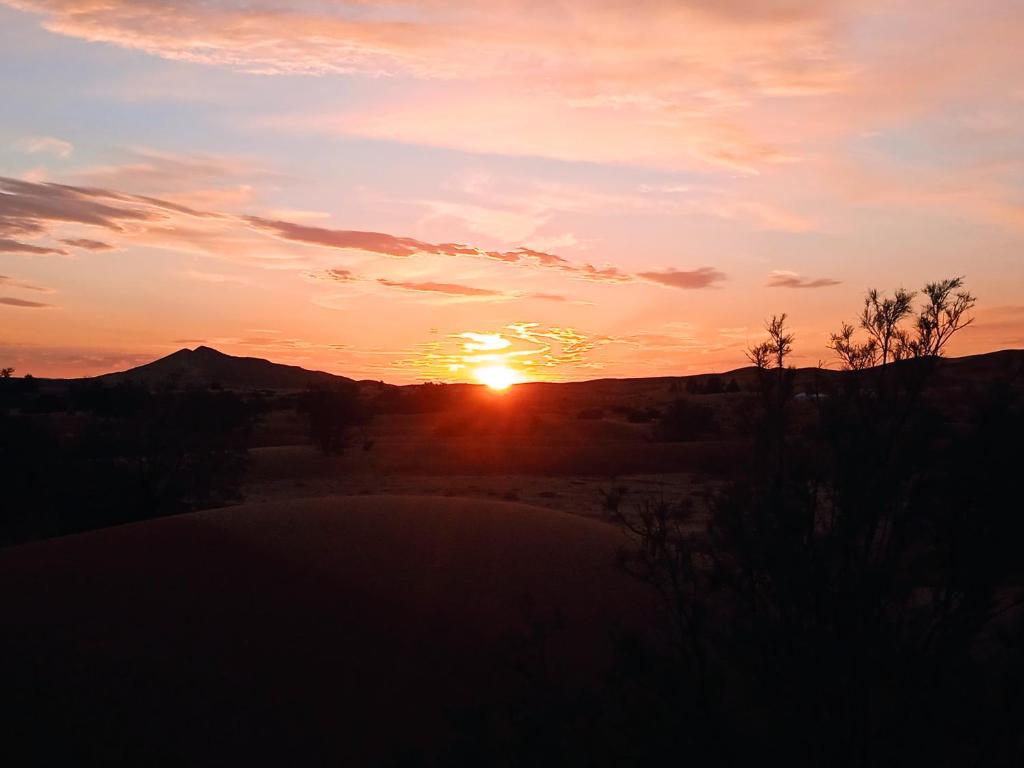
point(347, 628)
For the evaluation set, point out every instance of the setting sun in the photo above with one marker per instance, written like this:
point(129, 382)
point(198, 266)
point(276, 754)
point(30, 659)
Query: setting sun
point(497, 377)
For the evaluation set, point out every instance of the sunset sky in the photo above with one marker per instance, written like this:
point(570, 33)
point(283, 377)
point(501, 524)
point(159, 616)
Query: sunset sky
point(410, 189)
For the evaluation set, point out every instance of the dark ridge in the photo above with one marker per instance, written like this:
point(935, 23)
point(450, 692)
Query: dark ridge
point(205, 366)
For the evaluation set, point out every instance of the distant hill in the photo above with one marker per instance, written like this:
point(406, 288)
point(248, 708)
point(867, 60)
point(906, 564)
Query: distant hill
point(204, 366)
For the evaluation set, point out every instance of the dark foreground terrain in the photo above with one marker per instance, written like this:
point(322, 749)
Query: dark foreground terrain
point(340, 631)
point(822, 567)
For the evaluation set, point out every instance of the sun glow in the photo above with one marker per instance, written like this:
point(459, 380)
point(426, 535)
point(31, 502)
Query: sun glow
point(497, 377)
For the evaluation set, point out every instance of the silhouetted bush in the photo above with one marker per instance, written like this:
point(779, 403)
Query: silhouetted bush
point(686, 420)
point(853, 597)
point(636, 415)
point(119, 454)
point(333, 416)
point(430, 397)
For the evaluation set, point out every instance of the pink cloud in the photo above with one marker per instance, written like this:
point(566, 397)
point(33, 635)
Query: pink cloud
point(16, 246)
point(87, 244)
point(703, 277)
point(781, 279)
point(12, 302)
point(449, 289)
point(10, 282)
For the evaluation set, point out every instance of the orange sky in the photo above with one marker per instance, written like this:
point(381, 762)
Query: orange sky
point(413, 189)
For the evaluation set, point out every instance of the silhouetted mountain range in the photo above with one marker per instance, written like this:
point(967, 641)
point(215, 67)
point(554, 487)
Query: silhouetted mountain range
point(204, 366)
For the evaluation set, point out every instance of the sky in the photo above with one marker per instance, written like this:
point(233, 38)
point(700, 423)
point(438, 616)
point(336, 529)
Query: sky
point(412, 190)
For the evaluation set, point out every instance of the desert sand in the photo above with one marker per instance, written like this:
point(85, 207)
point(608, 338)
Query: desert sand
point(349, 628)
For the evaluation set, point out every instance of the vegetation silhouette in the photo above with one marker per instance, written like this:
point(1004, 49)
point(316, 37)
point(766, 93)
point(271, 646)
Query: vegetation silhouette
point(96, 455)
point(854, 597)
point(850, 595)
point(333, 414)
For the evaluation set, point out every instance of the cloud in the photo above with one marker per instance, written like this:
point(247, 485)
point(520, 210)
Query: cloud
point(545, 296)
point(375, 242)
point(87, 244)
point(531, 349)
point(194, 179)
point(404, 247)
point(28, 206)
point(12, 302)
point(782, 279)
point(332, 275)
point(14, 246)
point(607, 80)
point(736, 87)
point(449, 289)
point(703, 277)
point(46, 144)
point(41, 209)
point(65, 361)
point(10, 282)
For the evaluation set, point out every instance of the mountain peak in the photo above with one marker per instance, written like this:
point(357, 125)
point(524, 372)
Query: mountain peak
point(206, 351)
point(204, 366)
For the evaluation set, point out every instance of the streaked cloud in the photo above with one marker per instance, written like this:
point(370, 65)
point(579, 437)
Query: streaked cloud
point(448, 289)
point(783, 279)
point(8, 245)
point(703, 277)
point(10, 282)
point(87, 244)
point(49, 145)
point(532, 350)
point(10, 301)
point(334, 274)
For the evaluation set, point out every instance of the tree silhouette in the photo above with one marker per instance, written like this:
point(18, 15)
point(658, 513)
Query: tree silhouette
point(333, 414)
point(852, 598)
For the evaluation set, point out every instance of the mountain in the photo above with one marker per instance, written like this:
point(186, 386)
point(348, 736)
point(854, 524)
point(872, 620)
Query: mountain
point(204, 366)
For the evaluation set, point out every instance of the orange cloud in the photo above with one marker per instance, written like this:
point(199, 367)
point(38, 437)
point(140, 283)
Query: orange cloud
point(782, 279)
point(10, 282)
point(12, 302)
point(449, 289)
point(703, 277)
point(36, 209)
point(87, 244)
point(8, 245)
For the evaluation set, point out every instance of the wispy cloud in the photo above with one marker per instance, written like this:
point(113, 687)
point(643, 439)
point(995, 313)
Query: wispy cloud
point(7, 245)
point(46, 145)
point(531, 349)
point(36, 209)
point(404, 247)
point(783, 279)
point(10, 301)
point(703, 277)
point(87, 244)
point(10, 282)
point(334, 275)
point(449, 289)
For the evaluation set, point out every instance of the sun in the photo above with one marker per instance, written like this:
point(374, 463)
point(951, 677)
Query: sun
point(497, 377)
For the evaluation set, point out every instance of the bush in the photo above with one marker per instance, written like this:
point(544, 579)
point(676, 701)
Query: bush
point(333, 415)
point(134, 456)
point(686, 420)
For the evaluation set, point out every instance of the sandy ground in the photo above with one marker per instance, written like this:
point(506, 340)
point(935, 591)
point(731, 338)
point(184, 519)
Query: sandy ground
point(339, 630)
point(573, 495)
